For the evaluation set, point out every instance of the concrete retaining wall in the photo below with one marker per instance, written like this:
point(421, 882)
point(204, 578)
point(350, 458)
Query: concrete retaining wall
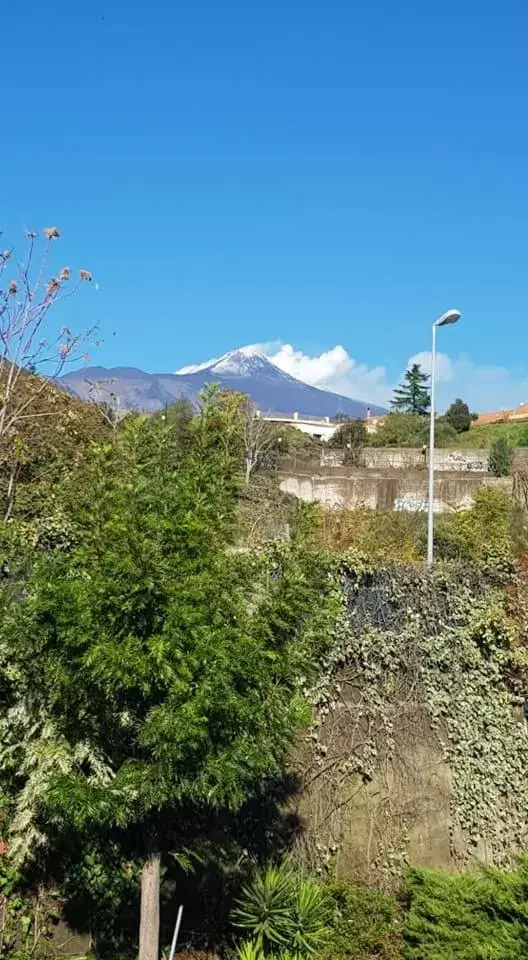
point(384, 490)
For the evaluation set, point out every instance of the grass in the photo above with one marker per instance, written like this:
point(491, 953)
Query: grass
point(480, 438)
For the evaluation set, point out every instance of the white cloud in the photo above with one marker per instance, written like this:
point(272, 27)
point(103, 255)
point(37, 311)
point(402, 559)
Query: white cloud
point(334, 370)
point(444, 366)
point(486, 387)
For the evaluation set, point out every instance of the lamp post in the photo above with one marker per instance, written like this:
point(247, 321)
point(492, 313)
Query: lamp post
point(451, 316)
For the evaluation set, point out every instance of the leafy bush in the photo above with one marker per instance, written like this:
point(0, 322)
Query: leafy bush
point(482, 534)
point(292, 441)
point(412, 430)
point(380, 536)
point(467, 917)
point(351, 437)
point(283, 911)
point(500, 457)
point(401, 430)
point(363, 923)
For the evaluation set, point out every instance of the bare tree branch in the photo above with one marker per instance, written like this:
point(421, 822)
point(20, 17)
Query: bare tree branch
point(27, 295)
point(258, 436)
point(108, 402)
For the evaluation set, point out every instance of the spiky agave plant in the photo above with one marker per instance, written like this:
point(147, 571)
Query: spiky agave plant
point(284, 913)
point(310, 918)
point(265, 908)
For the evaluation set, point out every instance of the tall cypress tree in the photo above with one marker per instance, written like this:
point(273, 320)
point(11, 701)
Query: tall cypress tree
point(412, 396)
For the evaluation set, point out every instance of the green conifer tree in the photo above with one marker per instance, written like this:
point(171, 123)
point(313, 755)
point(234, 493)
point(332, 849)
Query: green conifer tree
point(166, 680)
point(412, 396)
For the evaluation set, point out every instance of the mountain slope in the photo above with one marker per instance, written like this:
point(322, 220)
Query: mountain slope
point(242, 370)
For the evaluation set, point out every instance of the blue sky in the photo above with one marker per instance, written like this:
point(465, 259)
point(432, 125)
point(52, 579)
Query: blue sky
point(312, 174)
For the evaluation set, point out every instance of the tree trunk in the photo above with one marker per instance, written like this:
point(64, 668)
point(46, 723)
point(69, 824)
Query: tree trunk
point(249, 467)
point(150, 909)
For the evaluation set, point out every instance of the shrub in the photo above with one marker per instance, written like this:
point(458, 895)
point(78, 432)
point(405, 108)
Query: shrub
point(283, 912)
point(482, 534)
point(363, 923)
point(467, 917)
point(412, 430)
point(401, 430)
point(500, 457)
point(459, 416)
point(382, 536)
point(350, 437)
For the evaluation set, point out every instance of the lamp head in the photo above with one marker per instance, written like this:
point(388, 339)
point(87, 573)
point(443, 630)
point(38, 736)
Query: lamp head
point(450, 316)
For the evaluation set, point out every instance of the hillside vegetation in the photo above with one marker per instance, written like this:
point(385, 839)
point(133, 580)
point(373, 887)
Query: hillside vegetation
point(478, 438)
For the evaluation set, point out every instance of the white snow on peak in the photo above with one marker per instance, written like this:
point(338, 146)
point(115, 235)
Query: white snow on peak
point(195, 367)
point(242, 363)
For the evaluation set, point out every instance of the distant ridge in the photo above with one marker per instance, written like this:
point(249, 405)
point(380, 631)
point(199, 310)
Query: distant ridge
point(243, 370)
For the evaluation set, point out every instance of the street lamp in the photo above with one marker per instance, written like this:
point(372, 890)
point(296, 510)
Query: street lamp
point(451, 316)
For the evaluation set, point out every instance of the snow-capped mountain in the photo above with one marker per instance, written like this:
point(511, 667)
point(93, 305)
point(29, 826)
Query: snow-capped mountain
point(243, 370)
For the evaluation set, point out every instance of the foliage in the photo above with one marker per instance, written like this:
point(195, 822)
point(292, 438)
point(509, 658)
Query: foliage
point(500, 457)
point(363, 922)
point(250, 950)
point(445, 433)
point(488, 535)
point(253, 950)
point(27, 919)
point(39, 448)
point(467, 917)
point(411, 430)
point(179, 417)
point(380, 536)
point(458, 415)
point(293, 442)
point(284, 911)
point(400, 430)
point(481, 436)
point(412, 396)
point(149, 653)
point(264, 512)
point(482, 535)
point(350, 437)
point(266, 906)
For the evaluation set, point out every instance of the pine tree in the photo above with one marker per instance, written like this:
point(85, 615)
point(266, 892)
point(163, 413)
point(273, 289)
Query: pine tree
point(164, 673)
point(413, 394)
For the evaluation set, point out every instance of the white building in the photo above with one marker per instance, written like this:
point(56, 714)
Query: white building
point(320, 428)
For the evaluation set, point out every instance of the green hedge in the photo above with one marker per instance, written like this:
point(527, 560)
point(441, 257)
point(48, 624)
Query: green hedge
point(467, 917)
